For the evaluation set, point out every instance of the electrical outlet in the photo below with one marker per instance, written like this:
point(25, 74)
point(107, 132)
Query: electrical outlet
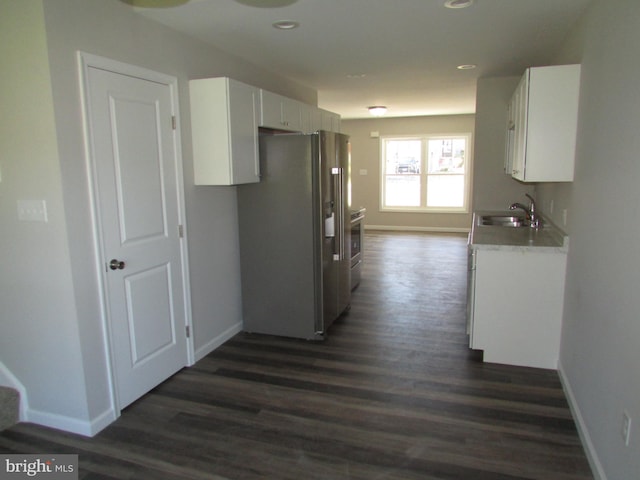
point(626, 428)
point(32, 211)
point(551, 207)
point(564, 217)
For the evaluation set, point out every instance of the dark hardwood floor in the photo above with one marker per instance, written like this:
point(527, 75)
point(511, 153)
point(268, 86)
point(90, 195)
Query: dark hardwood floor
point(393, 393)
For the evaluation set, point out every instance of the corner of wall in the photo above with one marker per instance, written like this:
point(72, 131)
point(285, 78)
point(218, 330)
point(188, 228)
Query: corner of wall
point(8, 379)
point(583, 432)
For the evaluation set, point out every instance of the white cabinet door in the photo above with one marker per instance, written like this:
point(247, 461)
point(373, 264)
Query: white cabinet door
point(316, 119)
point(509, 139)
point(519, 113)
point(545, 111)
point(224, 125)
point(330, 121)
point(517, 306)
point(271, 110)
point(305, 118)
point(279, 112)
point(291, 114)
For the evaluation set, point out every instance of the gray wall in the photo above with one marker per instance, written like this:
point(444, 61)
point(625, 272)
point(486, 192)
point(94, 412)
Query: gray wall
point(39, 334)
point(600, 355)
point(366, 156)
point(51, 335)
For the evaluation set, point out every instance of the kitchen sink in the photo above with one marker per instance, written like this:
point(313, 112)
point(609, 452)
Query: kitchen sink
point(502, 221)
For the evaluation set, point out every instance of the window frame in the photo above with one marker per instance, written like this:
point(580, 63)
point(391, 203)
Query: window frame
point(424, 174)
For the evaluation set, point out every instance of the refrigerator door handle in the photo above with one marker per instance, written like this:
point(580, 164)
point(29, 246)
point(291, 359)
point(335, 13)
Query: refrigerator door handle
point(339, 244)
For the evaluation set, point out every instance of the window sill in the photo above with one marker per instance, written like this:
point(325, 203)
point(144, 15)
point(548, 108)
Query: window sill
point(462, 211)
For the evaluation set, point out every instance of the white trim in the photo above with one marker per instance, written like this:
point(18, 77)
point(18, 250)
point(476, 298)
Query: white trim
point(86, 61)
point(8, 379)
point(583, 432)
point(70, 424)
point(400, 228)
point(210, 346)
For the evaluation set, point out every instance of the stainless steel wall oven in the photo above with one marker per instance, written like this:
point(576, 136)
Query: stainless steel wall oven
point(357, 244)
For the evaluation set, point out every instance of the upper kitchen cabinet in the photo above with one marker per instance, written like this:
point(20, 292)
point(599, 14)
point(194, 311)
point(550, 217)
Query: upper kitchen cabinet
point(542, 125)
point(280, 112)
point(224, 125)
point(330, 121)
point(324, 120)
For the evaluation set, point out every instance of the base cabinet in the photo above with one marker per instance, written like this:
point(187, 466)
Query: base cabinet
point(515, 307)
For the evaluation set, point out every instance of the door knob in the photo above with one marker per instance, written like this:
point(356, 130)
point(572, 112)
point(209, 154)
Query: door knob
point(116, 264)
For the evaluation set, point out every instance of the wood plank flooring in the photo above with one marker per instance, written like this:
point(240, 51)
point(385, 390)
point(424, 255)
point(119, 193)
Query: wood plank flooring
point(393, 393)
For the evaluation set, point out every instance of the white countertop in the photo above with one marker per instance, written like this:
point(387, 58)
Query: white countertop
point(547, 238)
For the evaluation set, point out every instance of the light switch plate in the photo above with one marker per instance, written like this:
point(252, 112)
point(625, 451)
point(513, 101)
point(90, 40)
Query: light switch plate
point(32, 210)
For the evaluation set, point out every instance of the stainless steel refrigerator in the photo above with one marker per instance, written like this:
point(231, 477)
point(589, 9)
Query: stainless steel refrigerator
point(294, 236)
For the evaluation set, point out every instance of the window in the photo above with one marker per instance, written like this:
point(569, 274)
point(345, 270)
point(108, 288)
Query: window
point(425, 173)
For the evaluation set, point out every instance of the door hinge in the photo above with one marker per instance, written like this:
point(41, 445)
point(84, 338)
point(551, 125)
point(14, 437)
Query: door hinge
point(173, 122)
point(188, 330)
point(180, 231)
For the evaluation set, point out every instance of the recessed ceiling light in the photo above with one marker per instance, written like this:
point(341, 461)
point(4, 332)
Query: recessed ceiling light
point(377, 110)
point(458, 3)
point(468, 66)
point(286, 25)
point(356, 75)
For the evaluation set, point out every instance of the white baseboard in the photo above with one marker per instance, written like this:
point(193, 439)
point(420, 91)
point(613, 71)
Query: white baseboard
point(416, 229)
point(70, 424)
point(8, 379)
point(210, 346)
point(592, 455)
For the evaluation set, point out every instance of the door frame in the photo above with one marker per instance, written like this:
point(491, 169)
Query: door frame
point(86, 61)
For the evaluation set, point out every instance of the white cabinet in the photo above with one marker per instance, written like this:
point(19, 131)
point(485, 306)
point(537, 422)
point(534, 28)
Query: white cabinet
point(516, 301)
point(225, 120)
point(330, 121)
point(541, 132)
point(316, 119)
point(305, 118)
point(224, 126)
point(280, 112)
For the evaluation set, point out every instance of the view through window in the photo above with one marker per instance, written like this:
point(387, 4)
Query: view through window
point(425, 173)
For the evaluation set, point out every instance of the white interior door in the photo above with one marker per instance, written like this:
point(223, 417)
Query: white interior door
point(138, 202)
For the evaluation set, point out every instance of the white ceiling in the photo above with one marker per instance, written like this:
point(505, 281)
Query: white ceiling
point(398, 53)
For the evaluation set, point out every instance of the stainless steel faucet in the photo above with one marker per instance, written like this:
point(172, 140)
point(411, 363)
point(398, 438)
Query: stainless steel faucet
point(530, 211)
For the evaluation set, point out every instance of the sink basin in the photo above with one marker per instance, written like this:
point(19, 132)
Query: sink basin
point(502, 221)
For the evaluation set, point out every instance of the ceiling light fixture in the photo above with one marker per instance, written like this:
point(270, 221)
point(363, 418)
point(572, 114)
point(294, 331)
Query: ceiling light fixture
point(377, 110)
point(458, 3)
point(286, 25)
point(154, 3)
point(266, 3)
point(468, 66)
